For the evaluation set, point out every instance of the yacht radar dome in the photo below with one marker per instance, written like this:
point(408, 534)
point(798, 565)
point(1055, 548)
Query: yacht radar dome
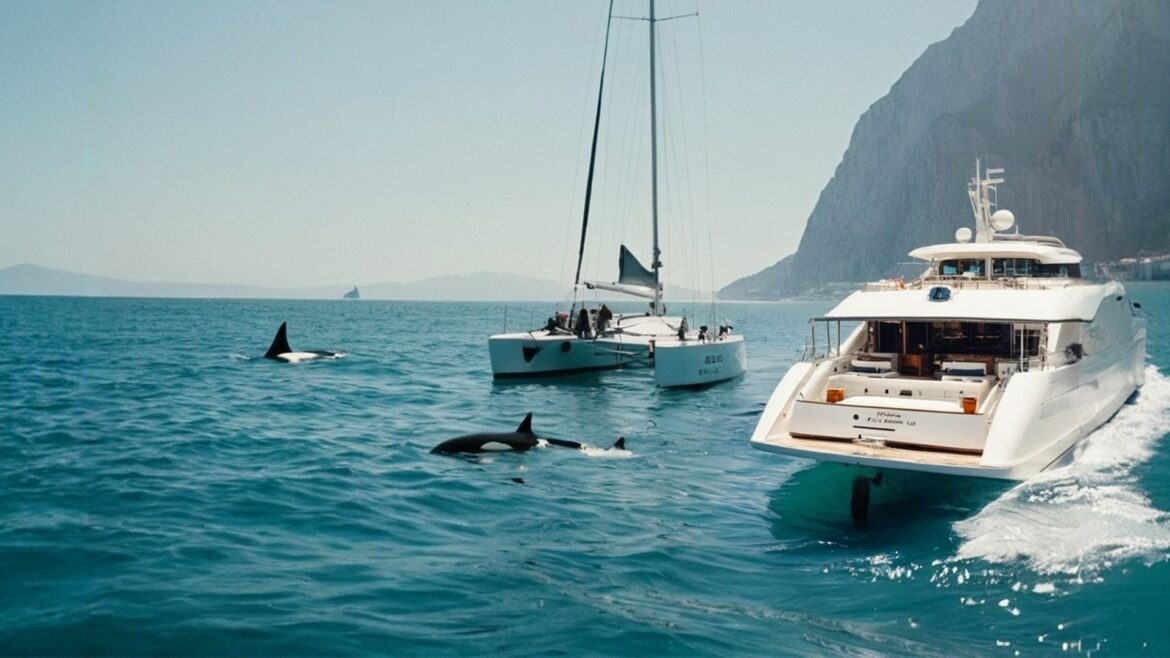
point(1002, 220)
point(963, 235)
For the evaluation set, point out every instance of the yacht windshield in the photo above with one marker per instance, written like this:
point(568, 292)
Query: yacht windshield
point(965, 267)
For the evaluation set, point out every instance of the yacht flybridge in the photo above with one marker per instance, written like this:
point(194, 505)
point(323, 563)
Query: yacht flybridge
point(993, 363)
point(681, 353)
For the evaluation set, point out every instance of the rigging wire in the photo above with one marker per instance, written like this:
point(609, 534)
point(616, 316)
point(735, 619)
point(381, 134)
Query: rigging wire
point(634, 144)
point(685, 221)
point(706, 164)
point(572, 196)
point(593, 153)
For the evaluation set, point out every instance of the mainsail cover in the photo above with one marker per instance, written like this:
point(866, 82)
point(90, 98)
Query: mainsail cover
point(631, 272)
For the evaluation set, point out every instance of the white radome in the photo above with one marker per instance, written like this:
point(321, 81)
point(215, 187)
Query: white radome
point(1002, 220)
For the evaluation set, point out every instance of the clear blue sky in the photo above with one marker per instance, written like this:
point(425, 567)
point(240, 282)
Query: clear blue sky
point(311, 143)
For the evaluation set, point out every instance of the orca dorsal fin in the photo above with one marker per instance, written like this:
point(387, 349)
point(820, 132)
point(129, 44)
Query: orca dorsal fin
point(620, 444)
point(525, 425)
point(280, 343)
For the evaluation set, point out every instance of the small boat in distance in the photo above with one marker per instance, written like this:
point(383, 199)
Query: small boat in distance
point(352, 294)
point(583, 340)
point(994, 363)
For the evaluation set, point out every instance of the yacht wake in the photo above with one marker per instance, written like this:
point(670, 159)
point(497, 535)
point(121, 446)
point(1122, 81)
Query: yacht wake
point(1081, 518)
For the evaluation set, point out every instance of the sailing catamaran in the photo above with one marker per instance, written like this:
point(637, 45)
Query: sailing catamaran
point(576, 342)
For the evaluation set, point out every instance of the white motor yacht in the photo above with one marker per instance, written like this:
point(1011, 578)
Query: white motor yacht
point(994, 363)
point(681, 354)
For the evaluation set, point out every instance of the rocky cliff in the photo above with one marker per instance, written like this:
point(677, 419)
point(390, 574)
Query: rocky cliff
point(1072, 97)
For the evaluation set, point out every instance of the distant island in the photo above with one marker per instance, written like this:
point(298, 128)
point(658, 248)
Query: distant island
point(28, 279)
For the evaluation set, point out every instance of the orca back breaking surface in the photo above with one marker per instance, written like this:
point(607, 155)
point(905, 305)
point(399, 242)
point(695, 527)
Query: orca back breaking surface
point(522, 440)
point(281, 351)
point(279, 343)
point(519, 441)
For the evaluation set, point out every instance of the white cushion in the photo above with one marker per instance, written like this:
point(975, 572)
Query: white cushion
point(872, 366)
point(964, 368)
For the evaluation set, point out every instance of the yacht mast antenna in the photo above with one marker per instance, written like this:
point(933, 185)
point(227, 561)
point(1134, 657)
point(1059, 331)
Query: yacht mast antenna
point(979, 190)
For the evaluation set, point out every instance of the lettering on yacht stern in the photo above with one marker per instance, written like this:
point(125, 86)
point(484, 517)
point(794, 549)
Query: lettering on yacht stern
point(885, 421)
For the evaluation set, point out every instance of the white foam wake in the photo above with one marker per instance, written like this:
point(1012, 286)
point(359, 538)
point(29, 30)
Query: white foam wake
point(1080, 518)
point(606, 453)
point(594, 451)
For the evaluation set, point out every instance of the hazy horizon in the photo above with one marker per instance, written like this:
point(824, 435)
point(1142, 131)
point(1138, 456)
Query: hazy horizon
point(303, 144)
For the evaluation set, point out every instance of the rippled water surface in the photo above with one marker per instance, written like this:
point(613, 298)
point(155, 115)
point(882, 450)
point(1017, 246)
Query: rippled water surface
point(165, 491)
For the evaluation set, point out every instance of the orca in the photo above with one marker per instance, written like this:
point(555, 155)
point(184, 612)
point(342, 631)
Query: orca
point(280, 351)
point(522, 440)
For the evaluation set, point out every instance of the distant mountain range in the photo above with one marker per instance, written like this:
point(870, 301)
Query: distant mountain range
point(30, 279)
point(1071, 97)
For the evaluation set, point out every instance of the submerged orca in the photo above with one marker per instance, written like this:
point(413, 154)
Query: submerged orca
point(859, 501)
point(280, 351)
point(519, 441)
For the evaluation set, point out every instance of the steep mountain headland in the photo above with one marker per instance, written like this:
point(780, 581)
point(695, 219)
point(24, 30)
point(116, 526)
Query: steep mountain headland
point(1071, 97)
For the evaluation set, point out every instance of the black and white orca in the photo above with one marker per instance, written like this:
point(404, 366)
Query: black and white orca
point(521, 440)
point(280, 351)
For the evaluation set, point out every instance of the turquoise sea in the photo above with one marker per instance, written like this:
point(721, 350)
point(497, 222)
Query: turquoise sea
point(165, 491)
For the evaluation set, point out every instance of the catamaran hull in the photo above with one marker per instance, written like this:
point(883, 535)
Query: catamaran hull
point(694, 363)
point(533, 354)
point(1040, 422)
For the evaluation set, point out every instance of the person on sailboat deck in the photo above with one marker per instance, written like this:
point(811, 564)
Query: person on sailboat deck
point(555, 325)
point(582, 327)
point(682, 329)
point(604, 315)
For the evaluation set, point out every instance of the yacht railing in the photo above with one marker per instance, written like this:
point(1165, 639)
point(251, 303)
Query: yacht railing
point(969, 283)
point(810, 354)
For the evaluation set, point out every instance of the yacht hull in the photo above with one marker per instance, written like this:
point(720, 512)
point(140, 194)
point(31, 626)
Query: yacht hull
point(1040, 421)
point(693, 363)
point(539, 354)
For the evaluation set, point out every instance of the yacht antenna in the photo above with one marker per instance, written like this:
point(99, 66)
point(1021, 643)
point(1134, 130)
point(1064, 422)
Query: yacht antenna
point(979, 190)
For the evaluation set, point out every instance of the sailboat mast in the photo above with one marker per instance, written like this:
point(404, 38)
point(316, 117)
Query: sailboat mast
point(656, 263)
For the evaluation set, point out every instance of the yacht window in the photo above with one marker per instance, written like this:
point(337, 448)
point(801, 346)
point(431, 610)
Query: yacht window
point(1028, 267)
point(968, 267)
